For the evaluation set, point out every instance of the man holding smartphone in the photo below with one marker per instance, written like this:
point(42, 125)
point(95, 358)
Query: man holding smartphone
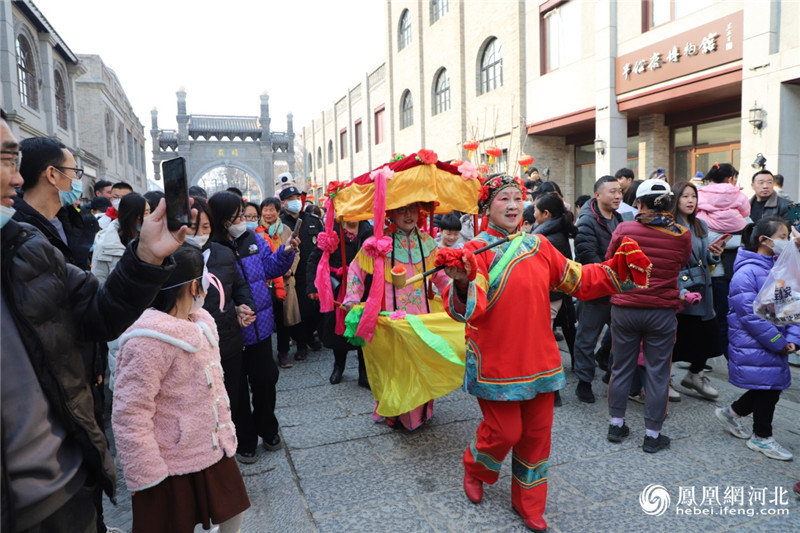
point(311, 227)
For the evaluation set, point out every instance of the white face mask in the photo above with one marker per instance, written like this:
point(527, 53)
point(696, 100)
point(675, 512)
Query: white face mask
point(779, 245)
point(197, 303)
point(197, 240)
point(115, 203)
point(236, 230)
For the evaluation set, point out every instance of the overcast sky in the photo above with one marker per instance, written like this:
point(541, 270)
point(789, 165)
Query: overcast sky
point(304, 53)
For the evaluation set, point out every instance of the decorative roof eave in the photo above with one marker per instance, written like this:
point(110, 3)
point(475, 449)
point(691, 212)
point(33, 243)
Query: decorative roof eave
point(42, 24)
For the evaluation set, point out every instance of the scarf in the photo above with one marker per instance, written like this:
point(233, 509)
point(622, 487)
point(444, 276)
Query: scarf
point(663, 222)
point(274, 228)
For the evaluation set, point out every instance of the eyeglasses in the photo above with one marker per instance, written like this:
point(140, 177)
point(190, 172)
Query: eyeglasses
point(234, 218)
point(15, 159)
point(250, 218)
point(78, 171)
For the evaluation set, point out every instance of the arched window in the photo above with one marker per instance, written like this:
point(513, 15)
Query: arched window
point(404, 30)
point(319, 156)
point(26, 74)
point(109, 135)
point(406, 110)
point(491, 67)
point(438, 9)
point(61, 100)
point(121, 144)
point(310, 164)
point(441, 92)
point(330, 152)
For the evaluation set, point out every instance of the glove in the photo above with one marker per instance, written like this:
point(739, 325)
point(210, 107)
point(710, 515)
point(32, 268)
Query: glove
point(693, 298)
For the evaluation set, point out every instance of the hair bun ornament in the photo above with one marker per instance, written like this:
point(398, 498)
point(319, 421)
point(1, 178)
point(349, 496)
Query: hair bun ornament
point(716, 165)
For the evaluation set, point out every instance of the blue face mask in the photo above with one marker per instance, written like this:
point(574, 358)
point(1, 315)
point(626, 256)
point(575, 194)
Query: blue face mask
point(5, 214)
point(527, 204)
point(251, 225)
point(294, 206)
point(73, 195)
point(139, 228)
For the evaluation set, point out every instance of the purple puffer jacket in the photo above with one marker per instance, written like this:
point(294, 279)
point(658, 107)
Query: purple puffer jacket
point(257, 265)
point(754, 345)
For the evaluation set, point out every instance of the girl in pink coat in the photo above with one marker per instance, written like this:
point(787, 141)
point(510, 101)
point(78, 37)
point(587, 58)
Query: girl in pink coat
point(721, 204)
point(171, 414)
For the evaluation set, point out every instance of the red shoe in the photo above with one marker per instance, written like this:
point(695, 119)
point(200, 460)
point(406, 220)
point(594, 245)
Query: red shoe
point(533, 523)
point(473, 488)
point(797, 488)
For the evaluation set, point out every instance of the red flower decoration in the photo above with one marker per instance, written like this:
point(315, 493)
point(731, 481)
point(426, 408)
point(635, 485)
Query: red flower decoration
point(428, 157)
point(483, 168)
point(111, 213)
point(484, 194)
point(333, 188)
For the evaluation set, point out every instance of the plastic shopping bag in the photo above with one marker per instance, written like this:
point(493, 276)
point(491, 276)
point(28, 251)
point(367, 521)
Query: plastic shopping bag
point(778, 301)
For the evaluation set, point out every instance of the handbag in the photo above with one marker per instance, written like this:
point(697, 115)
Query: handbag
point(693, 278)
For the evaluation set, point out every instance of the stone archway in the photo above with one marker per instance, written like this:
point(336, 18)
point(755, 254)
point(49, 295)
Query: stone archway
point(219, 176)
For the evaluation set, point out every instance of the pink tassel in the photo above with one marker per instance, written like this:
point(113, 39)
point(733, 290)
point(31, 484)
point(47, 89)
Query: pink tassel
point(326, 242)
point(366, 328)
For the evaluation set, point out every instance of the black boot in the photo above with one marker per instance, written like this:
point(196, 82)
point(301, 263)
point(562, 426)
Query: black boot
point(362, 371)
point(557, 399)
point(338, 367)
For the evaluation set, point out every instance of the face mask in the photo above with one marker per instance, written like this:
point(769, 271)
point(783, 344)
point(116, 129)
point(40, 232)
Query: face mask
point(294, 206)
point(779, 245)
point(115, 203)
point(251, 225)
point(197, 240)
point(237, 230)
point(526, 204)
point(139, 228)
point(73, 195)
point(6, 213)
point(197, 303)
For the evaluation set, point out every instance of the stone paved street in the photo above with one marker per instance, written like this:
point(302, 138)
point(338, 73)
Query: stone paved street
point(342, 472)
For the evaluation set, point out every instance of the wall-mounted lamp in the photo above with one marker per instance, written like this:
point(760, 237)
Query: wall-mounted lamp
point(600, 146)
point(760, 162)
point(757, 116)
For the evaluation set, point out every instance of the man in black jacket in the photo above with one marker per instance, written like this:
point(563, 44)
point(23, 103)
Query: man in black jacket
point(53, 452)
point(52, 181)
point(312, 226)
point(766, 201)
point(596, 222)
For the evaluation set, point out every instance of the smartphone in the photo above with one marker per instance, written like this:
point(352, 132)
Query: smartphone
point(176, 193)
point(794, 214)
point(723, 240)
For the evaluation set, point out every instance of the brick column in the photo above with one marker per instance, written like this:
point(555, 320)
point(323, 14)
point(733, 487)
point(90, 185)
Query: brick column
point(653, 145)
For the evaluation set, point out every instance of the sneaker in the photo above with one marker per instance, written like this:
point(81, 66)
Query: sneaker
point(770, 448)
point(637, 397)
point(700, 383)
point(584, 392)
point(617, 433)
point(273, 444)
point(558, 336)
point(653, 445)
point(284, 361)
point(797, 489)
point(247, 457)
point(674, 396)
point(301, 354)
point(732, 423)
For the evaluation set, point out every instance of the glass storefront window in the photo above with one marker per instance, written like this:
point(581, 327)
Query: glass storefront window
point(633, 154)
point(584, 154)
point(683, 136)
point(584, 169)
point(721, 131)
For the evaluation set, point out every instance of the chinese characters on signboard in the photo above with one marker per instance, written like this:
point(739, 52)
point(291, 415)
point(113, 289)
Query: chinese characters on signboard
point(708, 45)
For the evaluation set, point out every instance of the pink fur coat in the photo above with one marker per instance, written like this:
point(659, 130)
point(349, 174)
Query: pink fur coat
point(171, 411)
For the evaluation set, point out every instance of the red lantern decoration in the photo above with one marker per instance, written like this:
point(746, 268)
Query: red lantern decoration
point(525, 161)
point(470, 147)
point(493, 152)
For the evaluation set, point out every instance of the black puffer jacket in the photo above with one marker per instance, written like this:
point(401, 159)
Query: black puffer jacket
point(593, 236)
point(222, 263)
point(80, 231)
point(557, 231)
point(60, 311)
point(774, 206)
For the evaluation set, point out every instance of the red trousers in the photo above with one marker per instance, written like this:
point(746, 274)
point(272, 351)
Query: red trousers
point(524, 426)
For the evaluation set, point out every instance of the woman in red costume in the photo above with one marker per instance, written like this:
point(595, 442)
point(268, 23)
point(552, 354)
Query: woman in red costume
point(515, 375)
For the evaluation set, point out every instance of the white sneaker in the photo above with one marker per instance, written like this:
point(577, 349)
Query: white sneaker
point(700, 383)
point(732, 423)
point(770, 448)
